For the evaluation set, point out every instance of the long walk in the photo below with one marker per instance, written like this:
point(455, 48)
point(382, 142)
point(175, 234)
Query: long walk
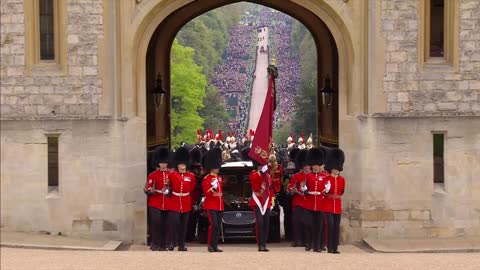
point(260, 82)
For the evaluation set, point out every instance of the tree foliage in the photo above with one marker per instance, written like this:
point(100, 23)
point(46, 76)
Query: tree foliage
point(188, 90)
point(197, 104)
point(306, 103)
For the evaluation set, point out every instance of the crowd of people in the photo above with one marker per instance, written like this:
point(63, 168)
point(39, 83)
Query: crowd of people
point(234, 79)
point(287, 61)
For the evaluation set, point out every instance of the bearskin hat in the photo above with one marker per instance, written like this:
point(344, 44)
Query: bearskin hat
point(300, 159)
point(182, 156)
point(293, 154)
point(195, 156)
point(213, 159)
point(160, 155)
point(315, 156)
point(336, 159)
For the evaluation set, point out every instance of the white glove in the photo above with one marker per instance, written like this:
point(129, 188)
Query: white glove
point(264, 168)
point(328, 185)
point(202, 200)
point(304, 188)
point(215, 184)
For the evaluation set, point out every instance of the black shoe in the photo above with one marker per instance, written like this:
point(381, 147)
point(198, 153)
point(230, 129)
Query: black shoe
point(307, 248)
point(182, 249)
point(170, 248)
point(262, 249)
point(161, 249)
point(218, 250)
point(317, 250)
point(330, 251)
point(336, 252)
point(211, 249)
point(324, 249)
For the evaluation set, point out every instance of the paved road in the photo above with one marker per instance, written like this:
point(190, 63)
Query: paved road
point(236, 256)
point(260, 83)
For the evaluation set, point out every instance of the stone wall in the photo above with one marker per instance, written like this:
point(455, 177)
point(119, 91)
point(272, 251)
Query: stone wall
point(74, 94)
point(390, 191)
point(102, 171)
point(430, 91)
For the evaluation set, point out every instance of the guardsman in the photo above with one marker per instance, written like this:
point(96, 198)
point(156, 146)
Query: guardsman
point(297, 188)
point(336, 187)
point(315, 194)
point(183, 184)
point(261, 202)
point(158, 191)
point(212, 186)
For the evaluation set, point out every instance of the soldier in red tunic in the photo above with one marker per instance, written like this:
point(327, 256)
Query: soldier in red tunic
point(183, 184)
point(261, 202)
point(300, 216)
point(158, 191)
point(213, 190)
point(336, 187)
point(315, 195)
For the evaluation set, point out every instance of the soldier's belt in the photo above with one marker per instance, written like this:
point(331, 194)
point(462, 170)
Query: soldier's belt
point(334, 196)
point(315, 193)
point(180, 194)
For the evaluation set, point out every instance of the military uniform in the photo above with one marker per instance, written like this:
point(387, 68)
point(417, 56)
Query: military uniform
point(261, 202)
point(334, 199)
point(300, 218)
point(212, 186)
point(183, 184)
point(157, 189)
point(315, 202)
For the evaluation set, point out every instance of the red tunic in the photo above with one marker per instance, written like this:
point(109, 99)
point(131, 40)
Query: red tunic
point(276, 175)
point(262, 186)
point(183, 184)
point(316, 186)
point(212, 202)
point(296, 181)
point(160, 180)
point(333, 200)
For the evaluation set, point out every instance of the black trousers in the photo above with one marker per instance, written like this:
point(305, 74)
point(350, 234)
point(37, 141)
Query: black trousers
point(262, 224)
point(301, 226)
point(158, 227)
point(317, 225)
point(324, 233)
point(179, 227)
point(215, 219)
point(286, 204)
point(333, 231)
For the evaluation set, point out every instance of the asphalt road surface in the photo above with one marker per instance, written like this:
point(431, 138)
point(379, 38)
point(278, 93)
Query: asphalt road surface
point(235, 256)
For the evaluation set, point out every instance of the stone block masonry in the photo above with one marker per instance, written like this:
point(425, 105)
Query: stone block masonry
point(410, 90)
point(50, 94)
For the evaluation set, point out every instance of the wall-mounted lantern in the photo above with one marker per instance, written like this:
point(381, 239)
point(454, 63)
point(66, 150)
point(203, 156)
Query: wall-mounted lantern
point(327, 93)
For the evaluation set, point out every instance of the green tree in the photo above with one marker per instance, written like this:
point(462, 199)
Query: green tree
point(188, 90)
point(215, 114)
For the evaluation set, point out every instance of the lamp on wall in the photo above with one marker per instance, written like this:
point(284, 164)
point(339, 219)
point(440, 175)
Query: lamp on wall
point(327, 92)
point(158, 92)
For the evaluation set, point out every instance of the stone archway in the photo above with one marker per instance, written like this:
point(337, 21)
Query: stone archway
point(163, 28)
point(144, 18)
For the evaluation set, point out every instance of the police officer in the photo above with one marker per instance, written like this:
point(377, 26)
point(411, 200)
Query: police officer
point(212, 186)
point(183, 184)
point(158, 191)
